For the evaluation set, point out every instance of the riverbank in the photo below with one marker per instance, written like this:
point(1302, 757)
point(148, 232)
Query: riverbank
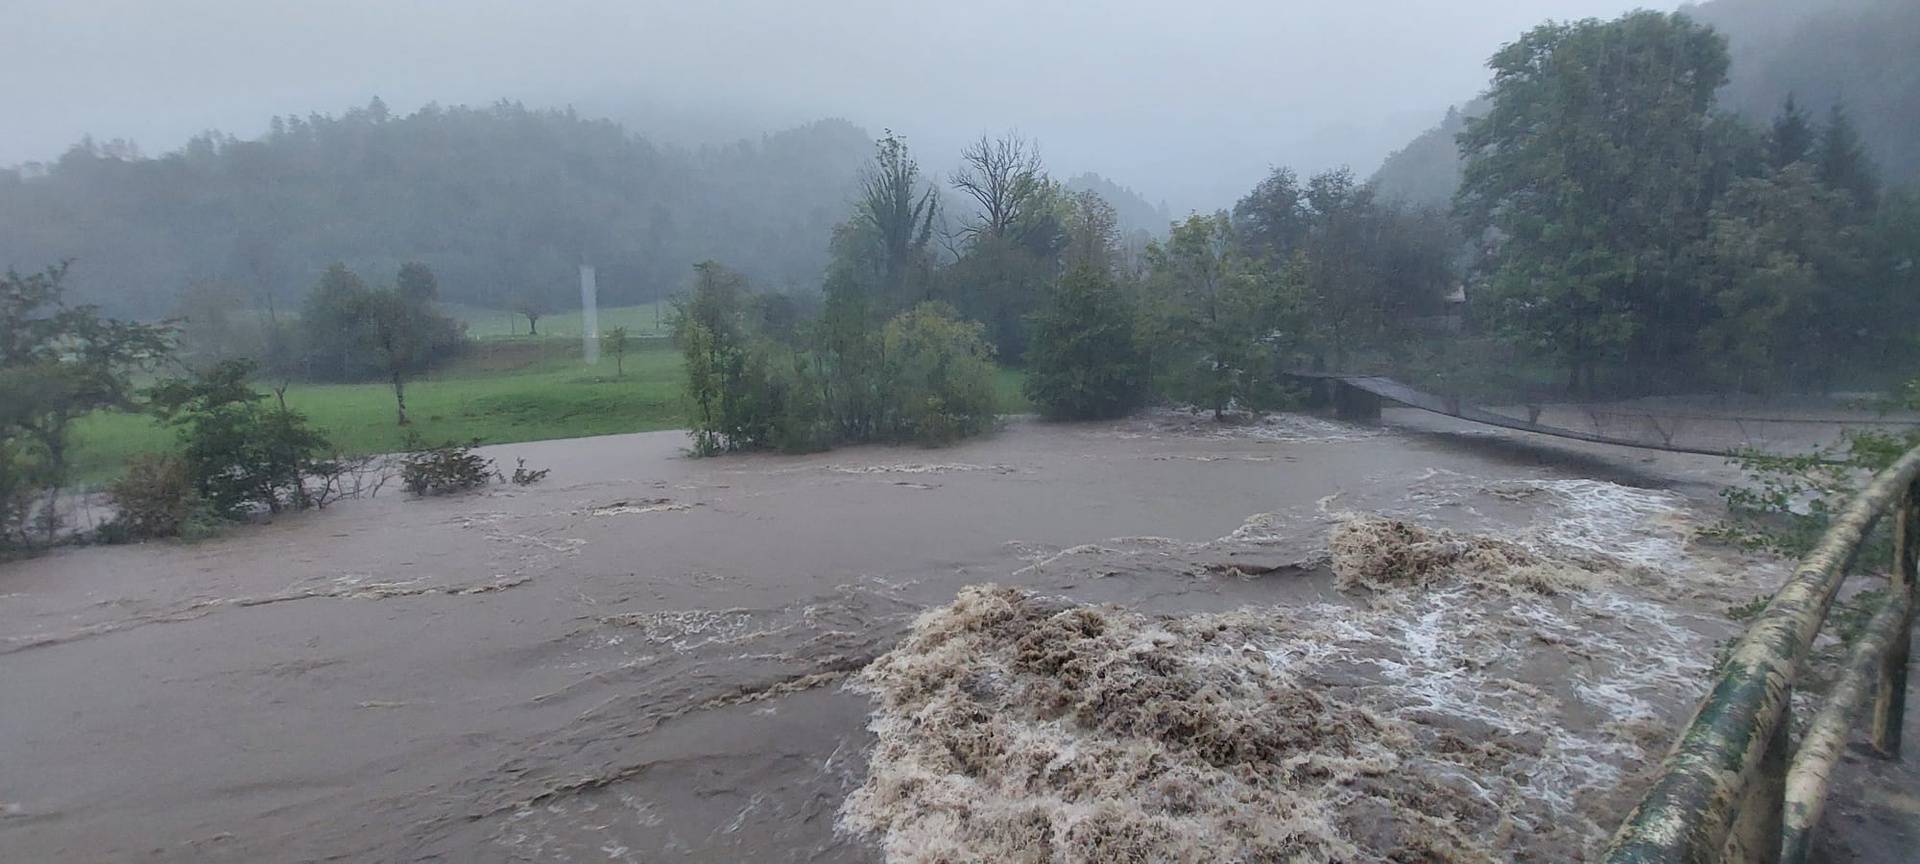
point(501, 391)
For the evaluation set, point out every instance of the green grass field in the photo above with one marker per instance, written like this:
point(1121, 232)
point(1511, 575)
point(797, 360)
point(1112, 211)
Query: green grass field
point(639, 320)
point(501, 391)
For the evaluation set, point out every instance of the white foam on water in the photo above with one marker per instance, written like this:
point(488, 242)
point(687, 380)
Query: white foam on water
point(918, 468)
point(1278, 427)
point(1639, 527)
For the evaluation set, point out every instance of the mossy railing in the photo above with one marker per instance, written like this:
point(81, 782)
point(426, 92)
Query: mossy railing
point(1731, 790)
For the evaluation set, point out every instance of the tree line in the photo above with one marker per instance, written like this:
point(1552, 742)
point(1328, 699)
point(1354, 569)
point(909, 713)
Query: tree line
point(1640, 238)
point(502, 201)
point(60, 361)
point(1856, 54)
point(1614, 225)
point(900, 342)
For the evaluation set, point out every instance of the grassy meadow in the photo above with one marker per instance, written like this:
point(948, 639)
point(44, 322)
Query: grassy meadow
point(501, 390)
point(641, 320)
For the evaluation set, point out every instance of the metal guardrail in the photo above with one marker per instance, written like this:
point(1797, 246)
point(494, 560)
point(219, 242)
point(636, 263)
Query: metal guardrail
point(1730, 790)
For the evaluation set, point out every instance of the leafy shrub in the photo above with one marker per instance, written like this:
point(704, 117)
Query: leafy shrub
point(238, 452)
point(156, 499)
point(21, 482)
point(925, 376)
point(445, 468)
point(744, 391)
point(1085, 362)
point(939, 375)
point(523, 476)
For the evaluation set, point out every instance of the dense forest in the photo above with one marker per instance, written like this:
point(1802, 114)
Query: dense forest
point(503, 203)
point(1862, 54)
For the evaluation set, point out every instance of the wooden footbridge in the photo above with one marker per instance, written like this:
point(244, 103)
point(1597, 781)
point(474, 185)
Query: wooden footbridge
point(1360, 398)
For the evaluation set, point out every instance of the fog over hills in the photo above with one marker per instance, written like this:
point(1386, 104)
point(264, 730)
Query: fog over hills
point(1861, 54)
point(1190, 103)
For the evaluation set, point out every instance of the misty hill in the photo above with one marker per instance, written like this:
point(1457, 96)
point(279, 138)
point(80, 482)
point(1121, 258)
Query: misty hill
point(1134, 211)
point(1863, 52)
point(503, 203)
point(1426, 171)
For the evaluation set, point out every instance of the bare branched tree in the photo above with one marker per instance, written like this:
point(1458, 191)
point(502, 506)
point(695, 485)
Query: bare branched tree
point(1004, 177)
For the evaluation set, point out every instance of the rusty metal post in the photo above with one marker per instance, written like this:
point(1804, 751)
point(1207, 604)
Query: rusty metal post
point(1756, 830)
point(1890, 697)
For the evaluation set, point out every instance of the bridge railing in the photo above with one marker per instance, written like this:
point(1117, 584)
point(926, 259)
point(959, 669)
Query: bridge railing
point(1732, 789)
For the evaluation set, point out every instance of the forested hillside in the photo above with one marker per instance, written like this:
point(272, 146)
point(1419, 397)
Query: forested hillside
point(1133, 211)
point(501, 202)
point(1863, 54)
point(1426, 171)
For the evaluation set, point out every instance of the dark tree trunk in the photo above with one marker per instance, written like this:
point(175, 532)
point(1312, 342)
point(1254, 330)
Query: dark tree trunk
point(399, 399)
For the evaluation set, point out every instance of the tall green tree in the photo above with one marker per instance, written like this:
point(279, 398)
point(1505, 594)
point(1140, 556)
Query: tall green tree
point(417, 283)
point(1790, 139)
point(1844, 164)
point(1091, 229)
point(1220, 323)
point(1272, 221)
point(330, 324)
point(398, 333)
point(726, 377)
point(58, 362)
point(1085, 362)
point(1343, 258)
point(1784, 267)
point(895, 212)
point(1589, 178)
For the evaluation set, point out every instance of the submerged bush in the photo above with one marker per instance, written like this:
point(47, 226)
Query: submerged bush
point(449, 467)
point(938, 375)
point(238, 452)
point(156, 499)
point(524, 476)
point(924, 376)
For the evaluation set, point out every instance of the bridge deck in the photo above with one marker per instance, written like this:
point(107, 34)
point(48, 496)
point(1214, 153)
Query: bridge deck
point(1395, 391)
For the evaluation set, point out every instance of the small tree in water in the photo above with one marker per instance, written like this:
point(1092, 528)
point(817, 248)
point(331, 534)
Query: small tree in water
point(240, 452)
point(711, 331)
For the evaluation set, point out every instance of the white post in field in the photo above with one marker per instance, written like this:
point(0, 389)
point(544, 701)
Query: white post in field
point(589, 316)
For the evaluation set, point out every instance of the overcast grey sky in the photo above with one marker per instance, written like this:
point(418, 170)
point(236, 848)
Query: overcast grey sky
point(1186, 101)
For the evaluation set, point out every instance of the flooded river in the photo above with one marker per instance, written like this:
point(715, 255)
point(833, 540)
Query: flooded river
point(649, 657)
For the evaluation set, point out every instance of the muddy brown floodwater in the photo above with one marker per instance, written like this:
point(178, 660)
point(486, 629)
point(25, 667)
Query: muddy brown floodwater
point(1093, 642)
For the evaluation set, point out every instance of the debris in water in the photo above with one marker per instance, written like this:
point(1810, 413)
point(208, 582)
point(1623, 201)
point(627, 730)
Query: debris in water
point(919, 468)
point(1491, 700)
point(1018, 728)
point(644, 505)
point(1378, 553)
